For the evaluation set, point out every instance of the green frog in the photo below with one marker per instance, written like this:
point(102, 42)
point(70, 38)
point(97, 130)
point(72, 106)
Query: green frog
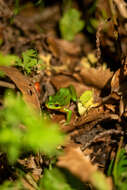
point(61, 101)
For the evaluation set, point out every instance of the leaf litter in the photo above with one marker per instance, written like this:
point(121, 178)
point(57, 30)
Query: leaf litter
point(97, 133)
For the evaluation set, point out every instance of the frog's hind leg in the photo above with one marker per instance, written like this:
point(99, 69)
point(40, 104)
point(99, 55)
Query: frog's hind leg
point(69, 114)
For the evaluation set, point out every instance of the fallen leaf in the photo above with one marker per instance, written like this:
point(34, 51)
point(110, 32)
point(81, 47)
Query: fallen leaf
point(115, 82)
point(119, 81)
point(60, 47)
point(95, 114)
point(79, 165)
point(95, 77)
point(24, 84)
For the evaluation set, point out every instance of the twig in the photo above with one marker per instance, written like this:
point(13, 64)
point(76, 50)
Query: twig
point(109, 132)
point(7, 84)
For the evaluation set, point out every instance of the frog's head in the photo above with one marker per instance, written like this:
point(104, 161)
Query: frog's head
point(51, 103)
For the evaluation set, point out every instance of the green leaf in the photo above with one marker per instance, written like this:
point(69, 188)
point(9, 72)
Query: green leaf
point(110, 168)
point(120, 174)
point(70, 24)
point(120, 170)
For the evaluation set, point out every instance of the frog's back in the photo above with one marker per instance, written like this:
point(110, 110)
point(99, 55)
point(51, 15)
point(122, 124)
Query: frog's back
point(63, 96)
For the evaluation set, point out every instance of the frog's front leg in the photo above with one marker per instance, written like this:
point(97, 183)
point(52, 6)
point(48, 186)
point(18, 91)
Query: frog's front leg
point(69, 114)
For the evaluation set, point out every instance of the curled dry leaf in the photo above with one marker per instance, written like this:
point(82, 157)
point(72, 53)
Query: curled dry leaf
point(75, 161)
point(115, 82)
point(119, 81)
point(96, 77)
point(24, 84)
point(119, 85)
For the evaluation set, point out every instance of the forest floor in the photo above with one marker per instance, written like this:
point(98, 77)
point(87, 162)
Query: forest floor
point(93, 61)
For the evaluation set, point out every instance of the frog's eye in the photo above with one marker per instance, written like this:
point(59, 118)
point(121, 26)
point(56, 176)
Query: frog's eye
point(56, 105)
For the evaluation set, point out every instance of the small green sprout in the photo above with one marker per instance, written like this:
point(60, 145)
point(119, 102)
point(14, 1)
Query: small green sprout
point(29, 61)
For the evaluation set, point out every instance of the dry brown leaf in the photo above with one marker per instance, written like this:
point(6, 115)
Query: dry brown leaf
point(115, 82)
point(95, 114)
point(24, 84)
point(95, 77)
point(78, 164)
point(119, 82)
point(60, 47)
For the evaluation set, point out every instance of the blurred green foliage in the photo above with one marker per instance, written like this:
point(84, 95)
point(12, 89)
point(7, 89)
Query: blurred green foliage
point(70, 24)
point(39, 134)
point(99, 181)
point(55, 180)
point(8, 60)
point(9, 185)
point(16, 7)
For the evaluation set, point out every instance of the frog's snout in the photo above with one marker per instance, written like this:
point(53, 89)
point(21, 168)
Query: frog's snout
point(52, 105)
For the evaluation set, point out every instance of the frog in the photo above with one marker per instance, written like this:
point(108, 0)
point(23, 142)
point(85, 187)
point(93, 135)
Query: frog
point(61, 101)
point(86, 102)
